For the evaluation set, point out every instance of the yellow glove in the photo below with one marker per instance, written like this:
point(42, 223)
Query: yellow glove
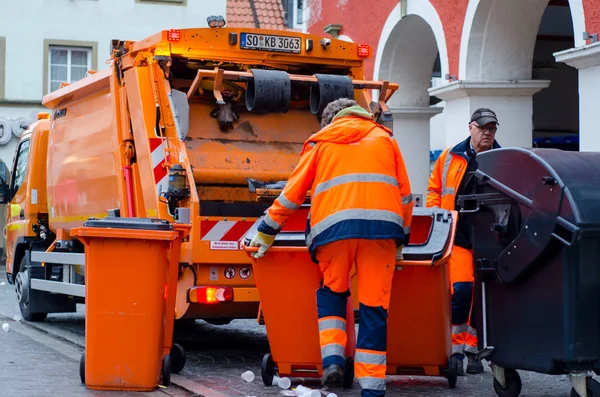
point(263, 242)
point(399, 253)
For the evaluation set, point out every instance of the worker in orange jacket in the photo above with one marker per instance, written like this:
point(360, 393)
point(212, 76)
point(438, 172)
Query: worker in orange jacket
point(446, 183)
point(360, 214)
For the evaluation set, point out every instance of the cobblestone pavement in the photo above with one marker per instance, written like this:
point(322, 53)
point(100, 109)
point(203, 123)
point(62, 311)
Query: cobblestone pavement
point(216, 357)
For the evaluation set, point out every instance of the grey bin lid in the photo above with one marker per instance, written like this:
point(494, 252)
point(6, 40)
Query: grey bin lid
point(129, 223)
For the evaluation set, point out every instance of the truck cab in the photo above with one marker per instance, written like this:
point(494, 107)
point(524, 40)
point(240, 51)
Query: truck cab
point(24, 193)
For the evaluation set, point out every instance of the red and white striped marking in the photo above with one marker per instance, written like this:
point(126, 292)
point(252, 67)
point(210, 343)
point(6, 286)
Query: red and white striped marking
point(161, 177)
point(224, 235)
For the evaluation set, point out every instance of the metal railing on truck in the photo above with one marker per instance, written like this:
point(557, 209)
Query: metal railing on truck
point(69, 261)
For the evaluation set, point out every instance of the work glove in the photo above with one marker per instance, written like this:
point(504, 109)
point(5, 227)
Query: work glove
point(399, 253)
point(263, 242)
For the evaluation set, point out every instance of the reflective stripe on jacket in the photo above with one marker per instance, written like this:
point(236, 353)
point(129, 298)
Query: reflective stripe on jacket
point(359, 183)
point(447, 175)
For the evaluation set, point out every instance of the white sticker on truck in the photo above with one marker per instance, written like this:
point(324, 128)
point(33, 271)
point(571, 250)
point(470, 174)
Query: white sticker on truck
point(224, 245)
point(33, 196)
point(214, 273)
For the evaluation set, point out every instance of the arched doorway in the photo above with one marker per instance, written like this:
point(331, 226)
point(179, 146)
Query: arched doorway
point(507, 55)
point(412, 52)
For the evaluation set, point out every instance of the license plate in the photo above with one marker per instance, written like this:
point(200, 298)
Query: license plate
point(264, 42)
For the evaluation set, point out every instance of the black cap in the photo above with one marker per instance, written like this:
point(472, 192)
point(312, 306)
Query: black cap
point(483, 116)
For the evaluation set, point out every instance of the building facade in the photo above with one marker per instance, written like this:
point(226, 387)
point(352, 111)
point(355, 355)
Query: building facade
point(535, 62)
point(46, 42)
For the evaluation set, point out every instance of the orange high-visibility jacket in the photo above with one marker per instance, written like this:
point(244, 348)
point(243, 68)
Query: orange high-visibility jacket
point(447, 175)
point(360, 188)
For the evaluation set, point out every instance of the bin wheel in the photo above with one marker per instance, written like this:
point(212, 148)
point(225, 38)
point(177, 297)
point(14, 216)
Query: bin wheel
point(166, 370)
point(513, 384)
point(592, 388)
point(349, 373)
point(267, 369)
point(82, 368)
point(454, 365)
point(177, 358)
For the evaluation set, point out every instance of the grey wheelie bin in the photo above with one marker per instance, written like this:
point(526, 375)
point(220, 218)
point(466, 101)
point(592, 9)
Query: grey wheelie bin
point(535, 223)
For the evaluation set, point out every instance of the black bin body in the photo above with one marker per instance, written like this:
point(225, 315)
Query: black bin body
point(535, 219)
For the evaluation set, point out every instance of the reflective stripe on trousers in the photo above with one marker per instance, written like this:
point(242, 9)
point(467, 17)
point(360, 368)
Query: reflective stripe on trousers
point(458, 338)
point(370, 365)
point(370, 369)
point(471, 340)
point(464, 339)
point(333, 338)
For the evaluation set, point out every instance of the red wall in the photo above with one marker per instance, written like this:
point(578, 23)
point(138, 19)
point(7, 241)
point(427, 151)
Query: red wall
point(452, 14)
point(591, 8)
point(362, 24)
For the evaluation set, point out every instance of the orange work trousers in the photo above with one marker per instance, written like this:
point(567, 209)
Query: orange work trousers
point(464, 336)
point(375, 264)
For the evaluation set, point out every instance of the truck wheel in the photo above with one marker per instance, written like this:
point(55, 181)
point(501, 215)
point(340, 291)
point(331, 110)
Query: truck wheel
point(23, 289)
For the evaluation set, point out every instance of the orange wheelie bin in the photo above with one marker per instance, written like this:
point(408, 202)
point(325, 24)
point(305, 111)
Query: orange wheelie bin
point(130, 286)
point(287, 280)
point(419, 334)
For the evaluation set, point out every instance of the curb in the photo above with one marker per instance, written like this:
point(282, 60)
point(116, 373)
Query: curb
point(178, 381)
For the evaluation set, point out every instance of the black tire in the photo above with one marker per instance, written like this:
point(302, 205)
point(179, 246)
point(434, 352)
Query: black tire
point(513, 384)
point(82, 368)
point(177, 358)
point(166, 370)
point(23, 290)
point(349, 373)
point(592, 388)
point(267, 369)
point(454, 365)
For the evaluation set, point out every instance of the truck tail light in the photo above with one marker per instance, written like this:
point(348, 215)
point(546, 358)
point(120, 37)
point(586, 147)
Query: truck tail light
point(210, 295)
point(363, 50)
point(173, 35)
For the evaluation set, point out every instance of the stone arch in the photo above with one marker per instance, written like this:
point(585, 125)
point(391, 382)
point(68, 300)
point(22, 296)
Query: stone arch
point(499, 37)
point(408, 49)
point(405, 46)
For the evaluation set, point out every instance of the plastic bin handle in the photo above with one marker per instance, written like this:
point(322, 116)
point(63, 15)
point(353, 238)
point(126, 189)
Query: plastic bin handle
point(275, 249)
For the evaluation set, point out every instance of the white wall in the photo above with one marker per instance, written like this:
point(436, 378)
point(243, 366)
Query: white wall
point(437, 127)
point(514, 115)
point(26, 23)
point(589, 87)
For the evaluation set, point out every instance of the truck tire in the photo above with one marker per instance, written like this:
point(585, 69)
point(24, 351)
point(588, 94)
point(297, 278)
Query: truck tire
point(23, 289)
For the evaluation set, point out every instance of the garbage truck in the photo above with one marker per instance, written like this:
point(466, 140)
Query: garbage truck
point(197, 126)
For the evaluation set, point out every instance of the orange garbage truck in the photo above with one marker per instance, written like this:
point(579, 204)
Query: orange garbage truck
point(197, 126)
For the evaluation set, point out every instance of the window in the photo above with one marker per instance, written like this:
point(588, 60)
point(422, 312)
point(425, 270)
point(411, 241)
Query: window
point(20, 168)
point(67, 64)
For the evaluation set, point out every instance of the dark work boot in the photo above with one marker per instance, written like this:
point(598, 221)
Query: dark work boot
point(474, 365)
point(332, 375)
